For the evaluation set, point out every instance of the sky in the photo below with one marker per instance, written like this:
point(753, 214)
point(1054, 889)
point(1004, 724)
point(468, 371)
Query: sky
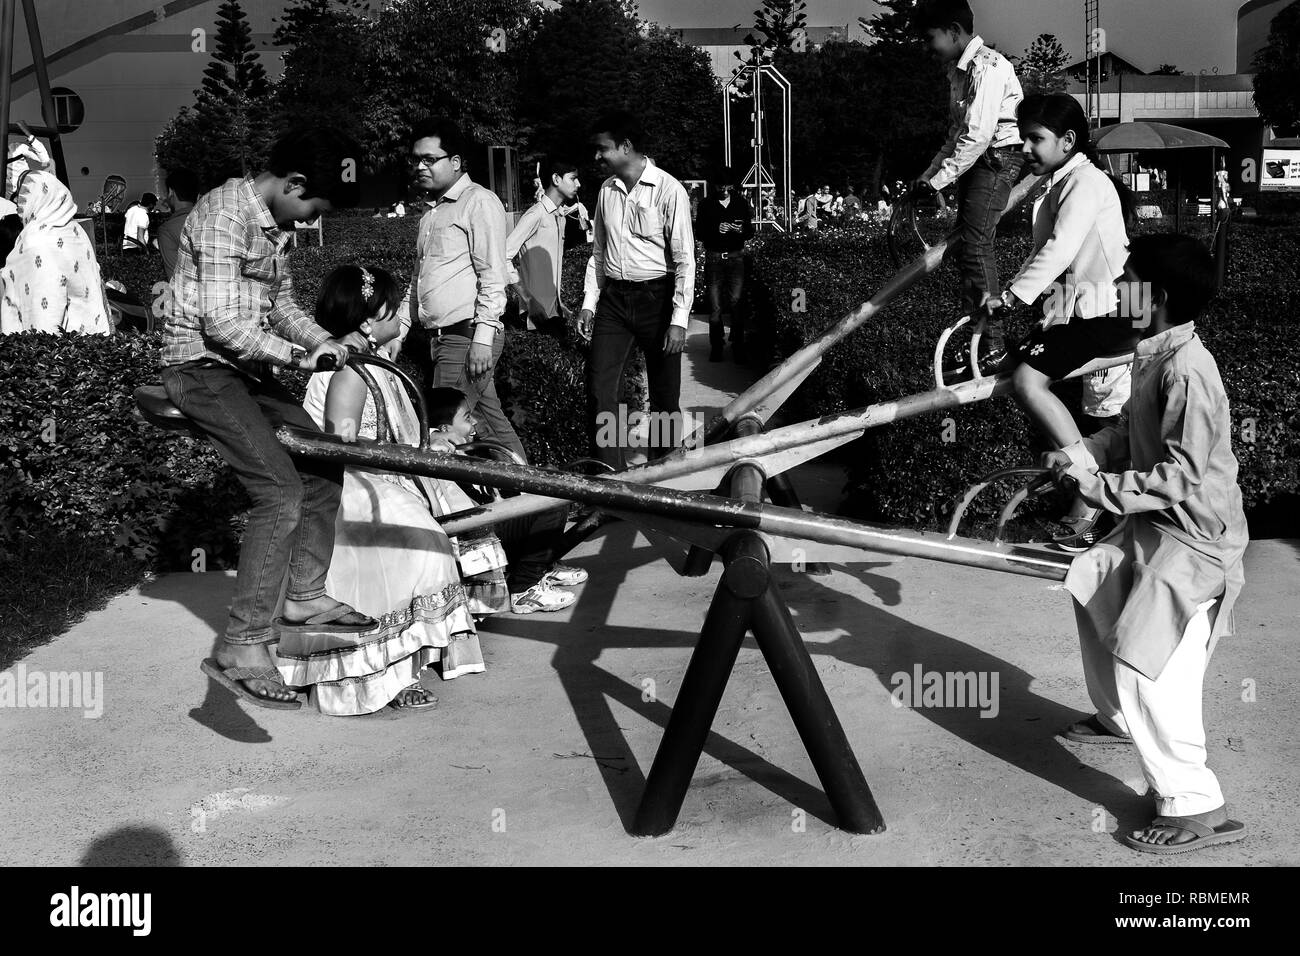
point(1193, 35)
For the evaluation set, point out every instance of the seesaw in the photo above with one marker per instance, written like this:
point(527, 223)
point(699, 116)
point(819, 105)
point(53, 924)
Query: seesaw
point(741, 528)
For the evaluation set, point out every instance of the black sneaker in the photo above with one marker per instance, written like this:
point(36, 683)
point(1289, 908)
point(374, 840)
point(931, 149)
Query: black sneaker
point(1086, 534)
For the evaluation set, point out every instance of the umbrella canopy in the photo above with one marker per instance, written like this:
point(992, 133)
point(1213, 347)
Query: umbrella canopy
point(1143, 136)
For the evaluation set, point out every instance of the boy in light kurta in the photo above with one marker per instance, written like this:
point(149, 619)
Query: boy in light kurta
point(1154, 597)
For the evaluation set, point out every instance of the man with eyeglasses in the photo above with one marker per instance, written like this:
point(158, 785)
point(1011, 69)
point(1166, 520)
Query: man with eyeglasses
point(458, 289)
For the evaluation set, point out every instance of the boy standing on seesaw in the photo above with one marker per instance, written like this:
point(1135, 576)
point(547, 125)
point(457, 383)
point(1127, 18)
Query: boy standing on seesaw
point(232, 318)
point(982, 153)
point(1153, 598)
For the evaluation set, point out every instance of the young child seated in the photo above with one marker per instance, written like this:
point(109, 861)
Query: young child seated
point(1080, 244)
point(531, 542)
point(1155, 596)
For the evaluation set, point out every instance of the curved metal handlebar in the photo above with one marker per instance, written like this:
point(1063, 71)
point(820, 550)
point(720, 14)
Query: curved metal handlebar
point(1042, 477)
point(357, 362)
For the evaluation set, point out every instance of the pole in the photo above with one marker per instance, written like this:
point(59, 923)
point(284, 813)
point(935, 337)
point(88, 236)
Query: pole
point(679, 505)
point(701, 692)
point(747, 575)
point(6, 75)
point(814, 716)
point(43, 84)
point(831, 428)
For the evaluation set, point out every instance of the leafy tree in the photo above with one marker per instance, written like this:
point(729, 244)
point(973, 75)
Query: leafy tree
point(1166, 69)
point(327, 51)
point(586, 57)
point(228, 131)
point(454, 58)
point(909, 107)
point(1042, 69)
point(1277, 73)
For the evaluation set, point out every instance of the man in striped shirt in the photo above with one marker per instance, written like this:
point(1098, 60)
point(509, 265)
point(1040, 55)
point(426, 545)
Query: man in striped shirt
point(640, 283)
point(232, 318)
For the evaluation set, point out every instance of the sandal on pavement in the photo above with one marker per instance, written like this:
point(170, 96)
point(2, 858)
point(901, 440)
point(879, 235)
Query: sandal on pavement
point(1093, 731)
point(1203, 835)
point(428, 701)
point(232, 678)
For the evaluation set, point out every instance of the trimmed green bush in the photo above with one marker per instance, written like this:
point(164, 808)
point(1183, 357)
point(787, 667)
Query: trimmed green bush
point(77, 462)
point(906, 473)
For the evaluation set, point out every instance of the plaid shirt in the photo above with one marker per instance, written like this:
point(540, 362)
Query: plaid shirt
point(231, 298)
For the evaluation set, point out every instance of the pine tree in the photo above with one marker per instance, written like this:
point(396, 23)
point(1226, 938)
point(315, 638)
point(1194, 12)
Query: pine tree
point(233, 104)
point(1043, 68)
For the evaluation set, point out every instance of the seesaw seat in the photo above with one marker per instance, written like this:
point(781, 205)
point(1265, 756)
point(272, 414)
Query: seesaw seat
point(157, 409)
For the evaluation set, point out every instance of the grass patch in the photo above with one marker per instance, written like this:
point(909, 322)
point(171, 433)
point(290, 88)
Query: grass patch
point(47, 585)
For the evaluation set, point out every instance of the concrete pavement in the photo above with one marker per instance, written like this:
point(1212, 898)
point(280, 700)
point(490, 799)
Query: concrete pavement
point(542, 759)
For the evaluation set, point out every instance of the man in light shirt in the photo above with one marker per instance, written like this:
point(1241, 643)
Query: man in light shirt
point(135, 228)
point(640, 281)
point(982, 153)
point(458, 289)
point(535, 247)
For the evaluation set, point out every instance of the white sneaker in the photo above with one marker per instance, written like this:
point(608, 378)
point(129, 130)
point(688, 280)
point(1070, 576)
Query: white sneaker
point(565, 576)
point(541, 597)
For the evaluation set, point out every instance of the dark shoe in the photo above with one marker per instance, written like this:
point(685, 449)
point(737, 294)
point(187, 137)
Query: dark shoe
point(1085, 531)
point(717, 340)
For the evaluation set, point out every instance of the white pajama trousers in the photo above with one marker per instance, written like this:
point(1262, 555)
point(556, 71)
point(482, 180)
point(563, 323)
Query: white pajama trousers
point(1163, 716)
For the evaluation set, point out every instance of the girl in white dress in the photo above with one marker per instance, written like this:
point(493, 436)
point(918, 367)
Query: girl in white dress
point(391, 559)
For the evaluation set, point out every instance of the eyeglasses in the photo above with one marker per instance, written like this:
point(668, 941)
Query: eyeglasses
point(427, 161)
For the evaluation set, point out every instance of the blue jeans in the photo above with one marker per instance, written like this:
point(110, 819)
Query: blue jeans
point(982, 194)
point(295, 502)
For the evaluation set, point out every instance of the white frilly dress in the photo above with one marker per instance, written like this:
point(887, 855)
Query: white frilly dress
point(393, 562)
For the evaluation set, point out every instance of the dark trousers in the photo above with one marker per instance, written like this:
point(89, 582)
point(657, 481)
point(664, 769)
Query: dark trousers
point(726, 283)
point(449, 354)
point(982, 194)
point(295, 502)
point(631, 313)
point(530, 544)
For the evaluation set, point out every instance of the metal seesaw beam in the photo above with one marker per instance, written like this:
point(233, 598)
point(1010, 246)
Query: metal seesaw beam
point(770, 391)
point(776, 450)
point(676, 505)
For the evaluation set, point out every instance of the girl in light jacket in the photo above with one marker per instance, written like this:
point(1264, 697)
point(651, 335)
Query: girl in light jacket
point(1080, 247)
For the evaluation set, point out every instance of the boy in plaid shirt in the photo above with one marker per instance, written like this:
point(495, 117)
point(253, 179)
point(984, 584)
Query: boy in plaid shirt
point(232, 317)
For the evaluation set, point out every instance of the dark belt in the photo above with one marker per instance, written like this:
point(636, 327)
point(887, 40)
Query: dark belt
point(464, 328)
point(631, 285)
point(734, 254)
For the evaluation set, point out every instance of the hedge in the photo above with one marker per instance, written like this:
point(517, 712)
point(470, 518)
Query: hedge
point(907, 474)
point(76, 461)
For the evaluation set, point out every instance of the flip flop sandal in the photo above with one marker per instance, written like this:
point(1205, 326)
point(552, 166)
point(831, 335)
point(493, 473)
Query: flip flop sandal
point(1094, 732)
point(429, 701)
point(231, 678)
point(328, 622)
point(1205, 835)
